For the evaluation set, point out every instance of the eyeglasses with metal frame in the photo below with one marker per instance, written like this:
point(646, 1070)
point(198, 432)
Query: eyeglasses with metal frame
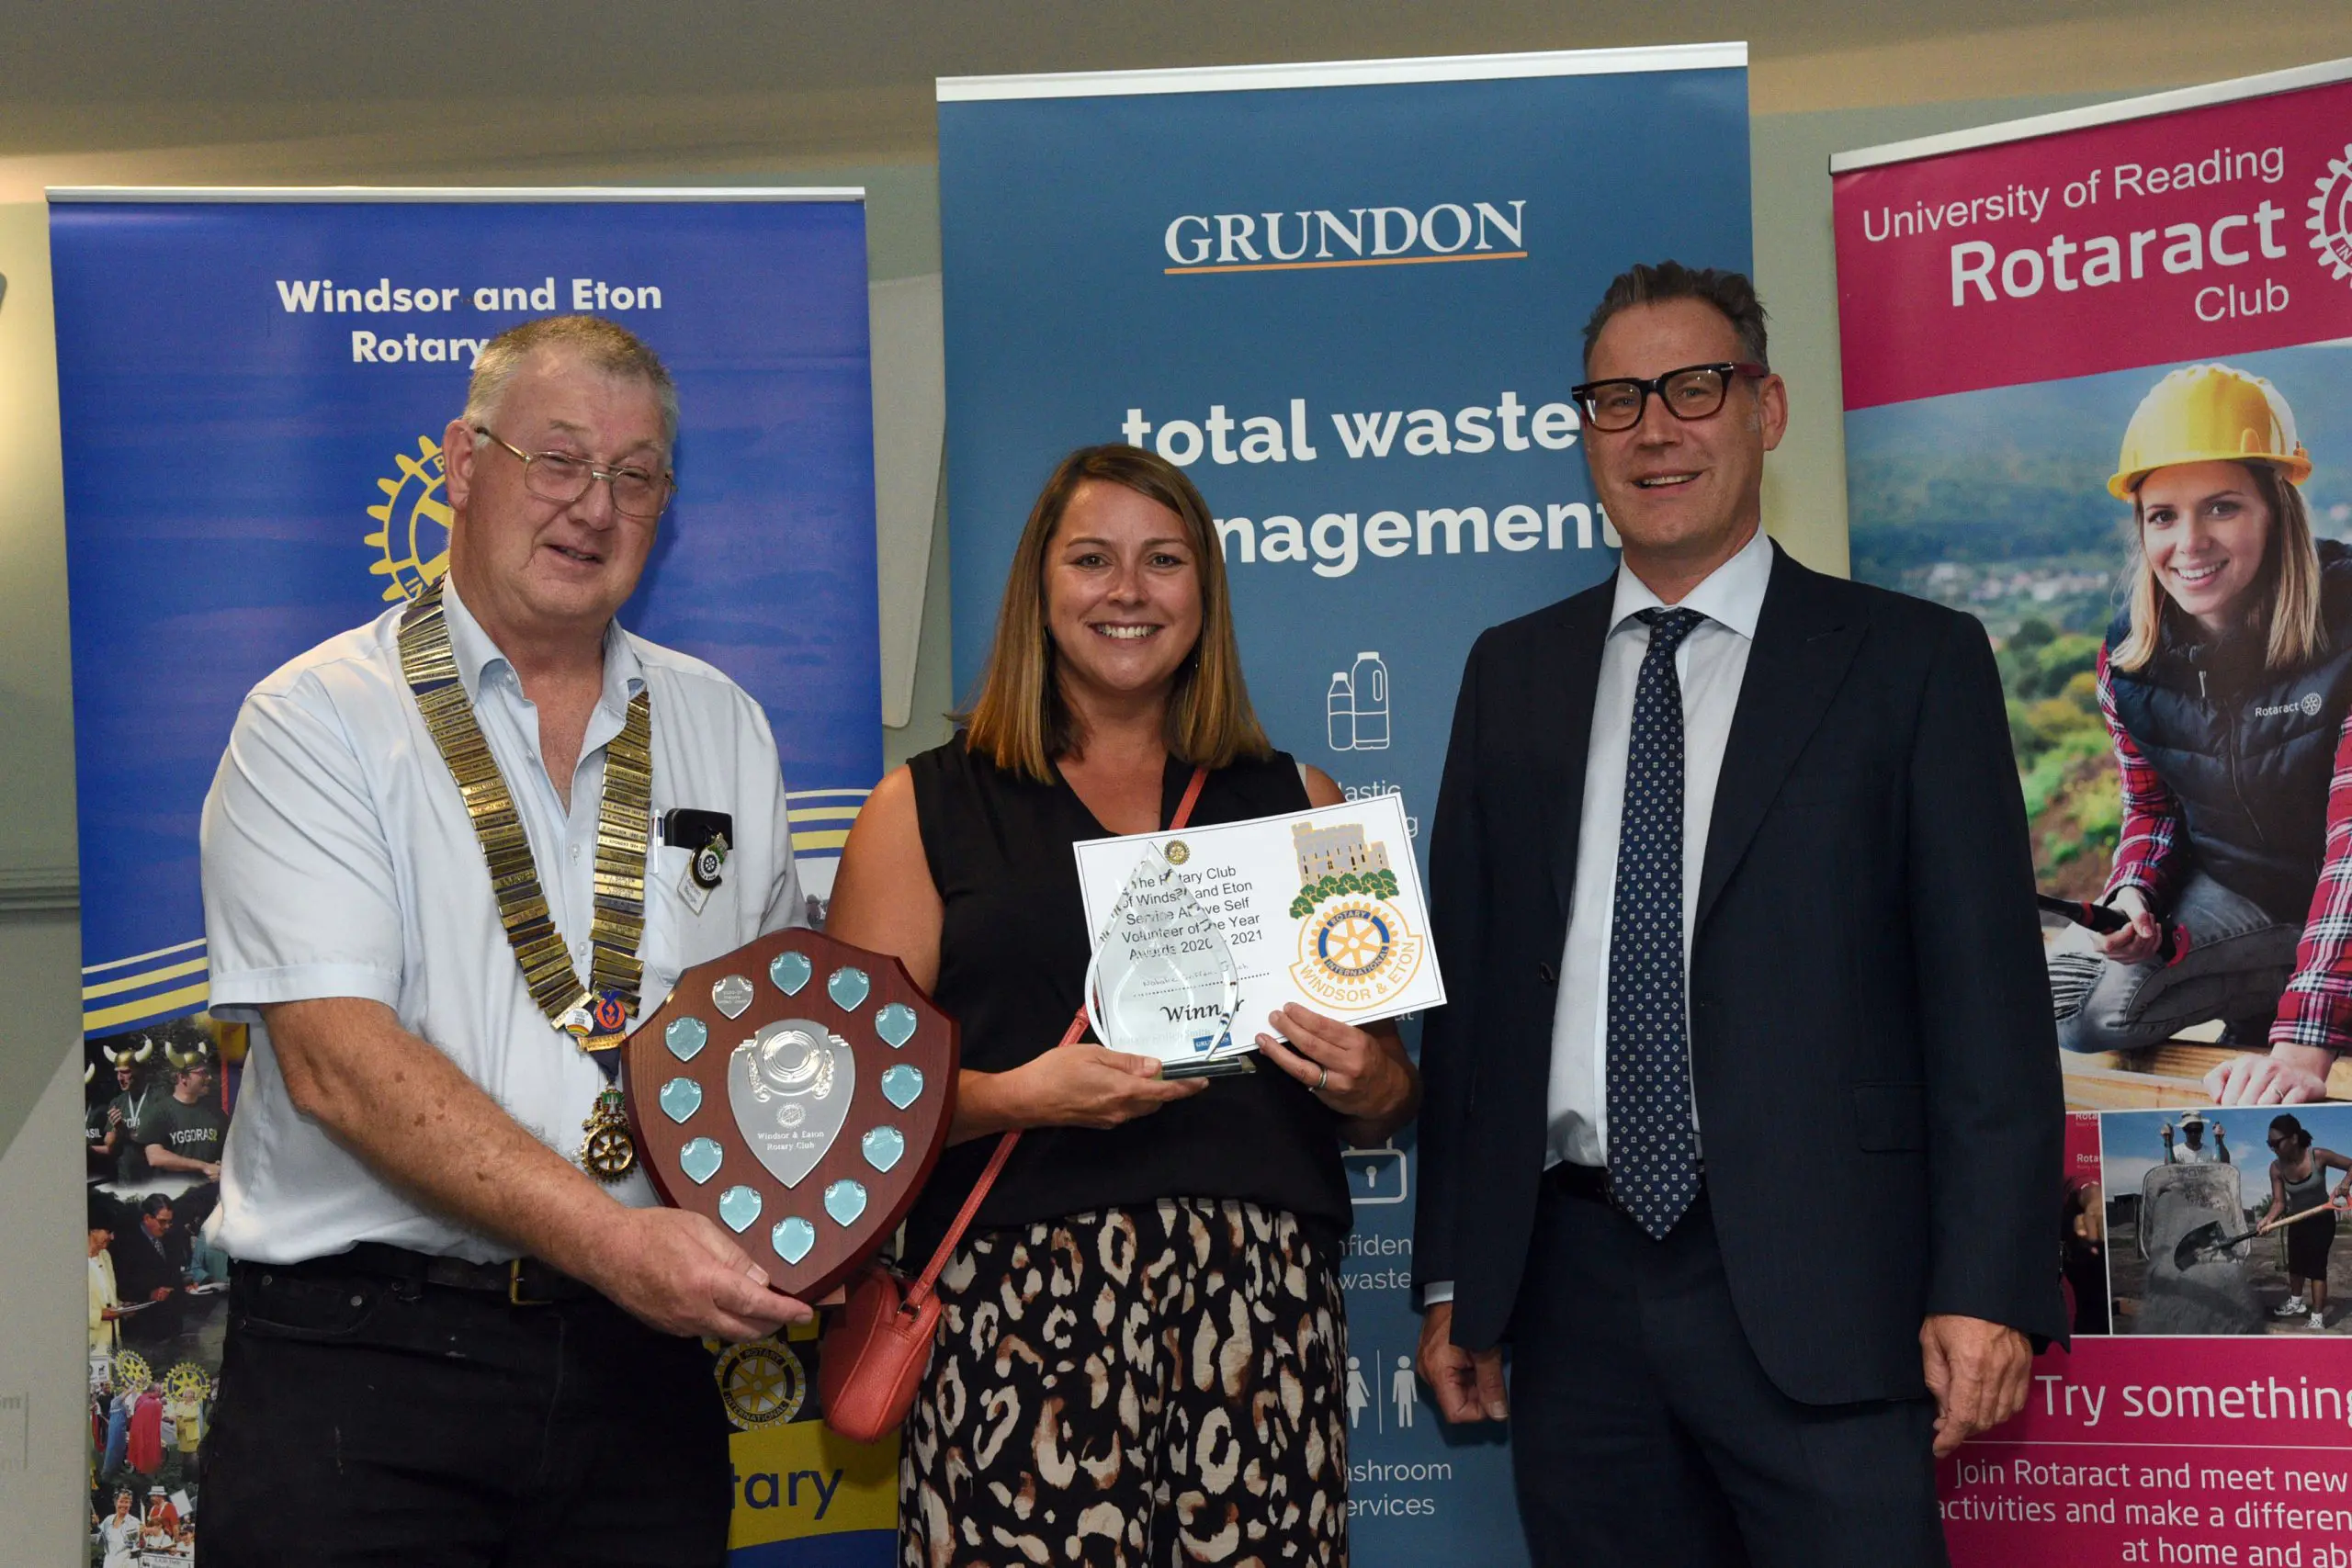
point(565, 477)
point(1693, 392)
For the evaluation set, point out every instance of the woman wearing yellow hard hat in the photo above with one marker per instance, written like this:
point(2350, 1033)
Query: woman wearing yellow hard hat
point(2226, 681)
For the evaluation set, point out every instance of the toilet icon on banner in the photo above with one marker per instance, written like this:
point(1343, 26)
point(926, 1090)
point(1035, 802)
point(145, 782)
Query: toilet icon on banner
point(1356, 707)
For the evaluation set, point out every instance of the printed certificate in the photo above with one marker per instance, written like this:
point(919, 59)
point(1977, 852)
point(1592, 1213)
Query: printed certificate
point(1322, 907)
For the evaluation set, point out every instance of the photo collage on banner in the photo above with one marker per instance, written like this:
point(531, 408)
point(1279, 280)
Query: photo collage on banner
point(254, 389)
point(1348, 300)
point(2095, 368)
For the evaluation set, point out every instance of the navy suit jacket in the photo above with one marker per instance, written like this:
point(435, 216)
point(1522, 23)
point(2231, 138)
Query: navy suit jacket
point(1872, 1042)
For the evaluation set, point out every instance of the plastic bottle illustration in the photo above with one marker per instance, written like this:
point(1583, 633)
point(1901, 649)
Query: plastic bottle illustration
point(1339, 713)
point(1368, 682)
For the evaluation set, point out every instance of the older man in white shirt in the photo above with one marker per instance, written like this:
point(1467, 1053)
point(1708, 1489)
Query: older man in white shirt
point(460, 1327)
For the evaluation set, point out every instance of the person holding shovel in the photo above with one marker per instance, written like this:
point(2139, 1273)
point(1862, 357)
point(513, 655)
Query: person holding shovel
point(2225, 683)
point(2298, 1185)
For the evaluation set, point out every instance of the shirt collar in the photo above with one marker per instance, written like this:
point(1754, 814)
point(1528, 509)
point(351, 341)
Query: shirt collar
point(1732, 595)
point(479, 658)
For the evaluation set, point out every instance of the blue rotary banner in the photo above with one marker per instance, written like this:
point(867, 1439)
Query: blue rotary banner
point(253, 396)
point(1348, 299)
point(253, 387)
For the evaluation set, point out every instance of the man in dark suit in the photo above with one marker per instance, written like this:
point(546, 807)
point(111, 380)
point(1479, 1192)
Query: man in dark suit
point(151, 1266)
point(1743, 1121)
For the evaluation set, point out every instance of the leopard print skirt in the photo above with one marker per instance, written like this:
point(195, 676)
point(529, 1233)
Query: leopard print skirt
point(1151, 1387)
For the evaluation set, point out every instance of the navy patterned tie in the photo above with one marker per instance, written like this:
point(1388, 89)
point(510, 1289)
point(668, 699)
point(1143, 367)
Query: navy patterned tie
point(1653, 1152)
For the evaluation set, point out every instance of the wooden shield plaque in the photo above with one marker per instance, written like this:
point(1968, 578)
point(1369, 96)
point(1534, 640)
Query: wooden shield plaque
point(797, 1091)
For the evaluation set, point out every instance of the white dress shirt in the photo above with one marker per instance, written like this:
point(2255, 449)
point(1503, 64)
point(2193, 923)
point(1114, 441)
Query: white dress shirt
point(339, 862)
point(1709, 664)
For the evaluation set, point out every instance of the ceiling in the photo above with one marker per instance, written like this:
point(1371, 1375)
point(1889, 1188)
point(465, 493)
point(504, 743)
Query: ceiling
point(445, 52)
point(266, 89)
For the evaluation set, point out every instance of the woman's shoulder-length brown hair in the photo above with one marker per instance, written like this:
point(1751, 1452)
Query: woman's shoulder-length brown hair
point(1018, 718)
point(2287, 618)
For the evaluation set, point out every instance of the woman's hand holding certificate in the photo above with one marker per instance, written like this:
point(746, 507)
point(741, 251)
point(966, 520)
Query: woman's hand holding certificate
point(1069, 1086)
point(1361, 1076)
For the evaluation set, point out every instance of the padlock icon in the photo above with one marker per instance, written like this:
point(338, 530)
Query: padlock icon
point(1375, 1176)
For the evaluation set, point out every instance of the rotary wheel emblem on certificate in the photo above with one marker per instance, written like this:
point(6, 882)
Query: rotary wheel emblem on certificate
point(1354, 942)
point(1356, 954)
point(762, 1383)
point(1355, 949)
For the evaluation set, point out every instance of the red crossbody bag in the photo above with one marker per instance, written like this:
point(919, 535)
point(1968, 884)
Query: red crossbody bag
point(873, 1356)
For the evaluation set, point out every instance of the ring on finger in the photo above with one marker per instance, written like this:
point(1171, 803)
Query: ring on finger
point(1325, 1081)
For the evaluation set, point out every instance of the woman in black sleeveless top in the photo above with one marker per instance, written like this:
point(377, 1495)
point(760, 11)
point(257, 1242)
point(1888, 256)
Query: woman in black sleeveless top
point(1142, 1350)
point(2298, 1185)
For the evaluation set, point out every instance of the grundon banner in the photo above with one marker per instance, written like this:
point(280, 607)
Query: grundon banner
point(253, 387)
point(2095, 368)
point(1348, 299)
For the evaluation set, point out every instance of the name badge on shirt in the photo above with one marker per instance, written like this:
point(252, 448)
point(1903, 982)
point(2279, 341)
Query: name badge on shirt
point(706, 833)
point(704, 873)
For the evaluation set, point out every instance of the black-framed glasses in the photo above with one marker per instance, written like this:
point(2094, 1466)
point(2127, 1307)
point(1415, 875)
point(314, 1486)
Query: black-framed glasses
point(1695, 392)
point(560, 477)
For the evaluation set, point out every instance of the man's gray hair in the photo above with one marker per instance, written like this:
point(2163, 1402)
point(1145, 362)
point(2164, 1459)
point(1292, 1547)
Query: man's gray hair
point(602, 345)
point(1647, 283)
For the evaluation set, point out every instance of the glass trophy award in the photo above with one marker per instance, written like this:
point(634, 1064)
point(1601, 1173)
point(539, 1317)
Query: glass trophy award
point(1163, 981)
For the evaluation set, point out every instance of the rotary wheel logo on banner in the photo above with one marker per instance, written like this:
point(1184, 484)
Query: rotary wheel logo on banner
point(2331, 221)
point(762, 1383)
point(1355, 949)
point(131, 1370)
point(413, 532)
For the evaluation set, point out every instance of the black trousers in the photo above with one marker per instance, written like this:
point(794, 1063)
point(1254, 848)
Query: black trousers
point(1645, 1431)
point(366, 1420)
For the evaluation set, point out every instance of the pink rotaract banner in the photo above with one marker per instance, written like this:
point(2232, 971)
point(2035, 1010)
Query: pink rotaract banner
point(2086, 359)
point(2164, 1450)
point(2221, 229)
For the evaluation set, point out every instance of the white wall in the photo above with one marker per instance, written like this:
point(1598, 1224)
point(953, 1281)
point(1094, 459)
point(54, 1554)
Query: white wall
point(1804, 482)
point(43, 1428)
point(43, 1354)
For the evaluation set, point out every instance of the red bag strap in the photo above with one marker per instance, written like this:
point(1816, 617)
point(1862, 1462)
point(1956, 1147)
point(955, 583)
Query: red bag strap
point(948, 1244)
point(1191, 798)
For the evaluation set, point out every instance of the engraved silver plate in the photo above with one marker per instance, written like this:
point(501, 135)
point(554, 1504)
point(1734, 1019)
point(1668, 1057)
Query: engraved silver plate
point(789, 1087)
point(731, 996)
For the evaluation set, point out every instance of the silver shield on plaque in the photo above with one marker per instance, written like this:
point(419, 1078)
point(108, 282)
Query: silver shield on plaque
point(789, 1087)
